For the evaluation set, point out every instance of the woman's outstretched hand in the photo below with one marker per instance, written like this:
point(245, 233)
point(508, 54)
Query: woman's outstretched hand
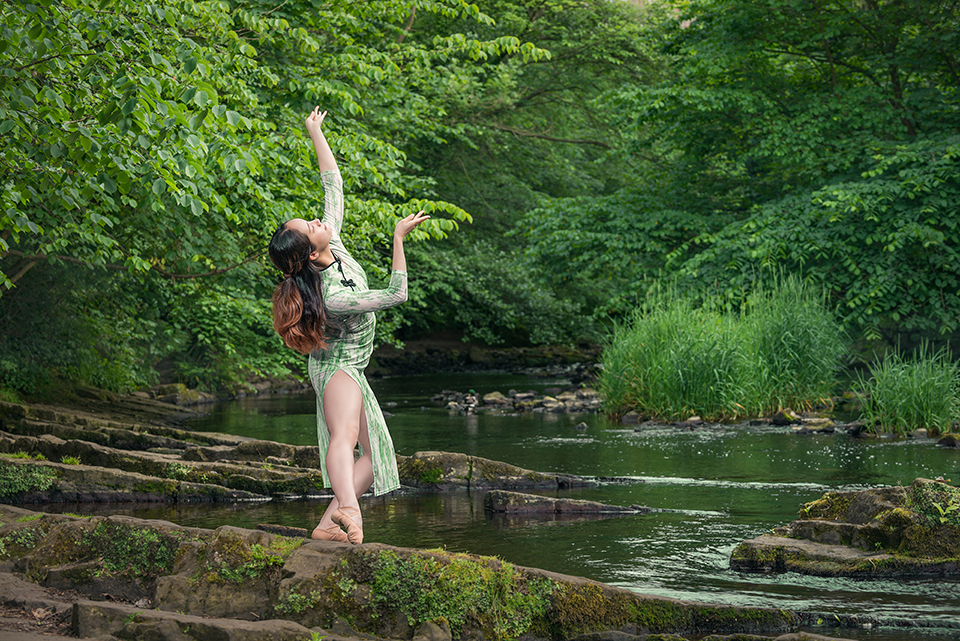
point(314, 120)
point(406, 225)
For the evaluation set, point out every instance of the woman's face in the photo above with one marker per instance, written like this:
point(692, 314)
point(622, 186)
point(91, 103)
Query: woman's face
point(318, 233)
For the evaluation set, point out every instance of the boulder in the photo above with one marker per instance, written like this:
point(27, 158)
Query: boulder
point(881, 532)
point(785, 417)
point(447, 470)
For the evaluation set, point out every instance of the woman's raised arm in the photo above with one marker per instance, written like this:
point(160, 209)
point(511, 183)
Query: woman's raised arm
point(325, 158)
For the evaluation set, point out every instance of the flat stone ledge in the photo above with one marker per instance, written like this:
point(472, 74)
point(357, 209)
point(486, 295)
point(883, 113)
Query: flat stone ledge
point(769, 553)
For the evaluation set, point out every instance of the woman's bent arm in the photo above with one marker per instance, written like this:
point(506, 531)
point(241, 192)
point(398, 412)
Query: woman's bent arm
point(404, 227)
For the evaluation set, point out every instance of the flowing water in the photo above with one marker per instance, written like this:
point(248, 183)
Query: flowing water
point(722, 484)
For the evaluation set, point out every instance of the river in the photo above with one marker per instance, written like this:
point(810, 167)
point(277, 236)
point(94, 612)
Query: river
point(721, 485)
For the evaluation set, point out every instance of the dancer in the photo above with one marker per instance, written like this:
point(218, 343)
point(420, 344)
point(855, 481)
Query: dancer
point(324, 308)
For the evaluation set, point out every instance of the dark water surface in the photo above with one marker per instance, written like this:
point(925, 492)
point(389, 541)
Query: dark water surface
point(726, 483)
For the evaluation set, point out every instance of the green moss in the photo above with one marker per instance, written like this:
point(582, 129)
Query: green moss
point(832, 506)
point(420, 470)
point(939, 502)
point(17, 479)
point(296, 603)
point(131, 551)
point(21, 541)
point(230, 560)
point(486, 594)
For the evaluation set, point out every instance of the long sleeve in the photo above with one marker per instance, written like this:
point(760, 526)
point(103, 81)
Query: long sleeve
point(340, 299)
point(332, 183)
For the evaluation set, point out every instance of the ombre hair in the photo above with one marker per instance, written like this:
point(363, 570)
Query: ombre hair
point(298, 313)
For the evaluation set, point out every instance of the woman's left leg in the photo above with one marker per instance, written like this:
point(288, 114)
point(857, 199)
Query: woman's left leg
point(343, 401)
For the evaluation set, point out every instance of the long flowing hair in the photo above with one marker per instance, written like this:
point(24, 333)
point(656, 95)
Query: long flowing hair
point(298, 313)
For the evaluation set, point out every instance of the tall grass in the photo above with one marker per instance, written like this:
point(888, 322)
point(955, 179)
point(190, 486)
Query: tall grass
point(793, 346)
point(674, 359)
point(903, 394)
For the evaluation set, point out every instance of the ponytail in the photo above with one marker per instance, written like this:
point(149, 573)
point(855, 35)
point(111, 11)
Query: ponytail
point(298, 313)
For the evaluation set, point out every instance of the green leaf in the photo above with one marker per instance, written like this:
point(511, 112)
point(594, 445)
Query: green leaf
point(159, 186)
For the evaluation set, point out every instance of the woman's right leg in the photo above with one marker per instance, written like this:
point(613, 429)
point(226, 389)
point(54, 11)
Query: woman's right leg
point(362, 480)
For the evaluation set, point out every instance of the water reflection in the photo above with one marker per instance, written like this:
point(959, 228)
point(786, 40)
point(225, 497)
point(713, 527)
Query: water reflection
point(722, 484)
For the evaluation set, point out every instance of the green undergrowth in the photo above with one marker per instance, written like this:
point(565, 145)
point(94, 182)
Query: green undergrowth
point(485, 593)
point(22, 540)
point(779, 348)
point(904, 394)
point(16, 479)
point(938, 503)
point(229, 559)
point(134, 552)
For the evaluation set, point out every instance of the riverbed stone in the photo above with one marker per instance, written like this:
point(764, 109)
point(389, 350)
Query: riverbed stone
point(785, 417)
point(314, 584)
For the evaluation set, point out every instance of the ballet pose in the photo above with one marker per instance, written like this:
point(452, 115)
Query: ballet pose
point(324, 308)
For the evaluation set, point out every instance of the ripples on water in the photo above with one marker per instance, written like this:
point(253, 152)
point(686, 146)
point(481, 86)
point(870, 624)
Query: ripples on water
point(721, 485)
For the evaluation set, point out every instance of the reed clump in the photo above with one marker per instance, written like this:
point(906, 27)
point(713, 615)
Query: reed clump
point(903, 393)
point(781, 348)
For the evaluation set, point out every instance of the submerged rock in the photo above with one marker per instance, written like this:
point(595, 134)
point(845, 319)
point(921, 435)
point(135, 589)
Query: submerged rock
point(883, 532)
point(518, 503)
point(450, 470)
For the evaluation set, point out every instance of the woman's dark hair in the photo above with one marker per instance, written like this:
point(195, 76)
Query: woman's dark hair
point(298, 314)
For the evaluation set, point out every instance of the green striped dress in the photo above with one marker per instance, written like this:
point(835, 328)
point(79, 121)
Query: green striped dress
point(347, 297)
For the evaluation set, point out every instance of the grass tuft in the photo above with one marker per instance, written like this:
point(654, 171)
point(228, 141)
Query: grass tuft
point(674, 359)
point(904, 394)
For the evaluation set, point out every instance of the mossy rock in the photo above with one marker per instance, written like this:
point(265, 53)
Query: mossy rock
point(950, 439)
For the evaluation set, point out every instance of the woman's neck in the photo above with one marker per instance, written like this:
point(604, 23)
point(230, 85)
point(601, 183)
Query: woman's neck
point(325, 258)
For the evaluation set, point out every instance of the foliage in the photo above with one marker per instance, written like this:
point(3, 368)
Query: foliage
point(517, 129)
point(905, 394)
point(83, 335)
point(70, 460)
point(886, 246)
point(19, 479)
point(459, 589)
point(826, 133)
point(489, 294)
point(159, 144)
point(252, 561)
point(608, 250)
point(675, 359)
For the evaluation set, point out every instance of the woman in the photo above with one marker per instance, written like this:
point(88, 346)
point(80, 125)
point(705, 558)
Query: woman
point(324, 308)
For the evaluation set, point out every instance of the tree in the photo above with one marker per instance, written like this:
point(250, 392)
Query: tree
point(160, 143)
point(811, 136)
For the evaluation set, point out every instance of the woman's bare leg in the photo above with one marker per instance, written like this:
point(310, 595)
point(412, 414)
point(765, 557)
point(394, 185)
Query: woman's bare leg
point(347, 424)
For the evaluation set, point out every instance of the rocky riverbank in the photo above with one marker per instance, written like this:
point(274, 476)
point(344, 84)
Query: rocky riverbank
point(126, 578)
point(123, 578)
